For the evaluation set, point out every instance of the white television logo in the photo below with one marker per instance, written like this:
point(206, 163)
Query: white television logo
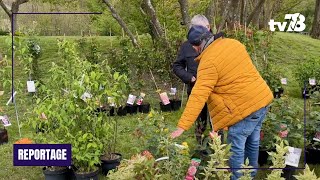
point(296, 24)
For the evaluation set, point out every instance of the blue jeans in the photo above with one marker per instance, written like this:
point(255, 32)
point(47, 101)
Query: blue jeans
point(244, 137)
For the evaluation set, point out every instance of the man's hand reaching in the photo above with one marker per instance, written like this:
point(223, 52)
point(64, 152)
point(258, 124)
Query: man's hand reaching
point(177, 133)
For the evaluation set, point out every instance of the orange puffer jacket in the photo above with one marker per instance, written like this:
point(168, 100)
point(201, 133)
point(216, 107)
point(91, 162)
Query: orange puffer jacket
point(230, 84)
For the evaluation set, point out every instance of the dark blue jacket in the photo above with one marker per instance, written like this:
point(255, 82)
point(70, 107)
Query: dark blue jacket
point(185, 67)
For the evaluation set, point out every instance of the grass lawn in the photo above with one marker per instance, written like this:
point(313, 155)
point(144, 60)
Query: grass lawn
point(287, 52)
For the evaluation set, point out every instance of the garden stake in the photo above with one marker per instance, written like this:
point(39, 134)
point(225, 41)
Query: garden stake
point(184, 85)
point(305, 120)
point(153, 79)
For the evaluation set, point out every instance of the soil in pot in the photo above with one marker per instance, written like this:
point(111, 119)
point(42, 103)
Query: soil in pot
point(312, 155)
point(3, 136)
point(122, 111)
point(165, 108)
point(56, 173)
point(132, 109)
point(88, 175)
point(110, 163)
point(175, 104)
point(144, 108)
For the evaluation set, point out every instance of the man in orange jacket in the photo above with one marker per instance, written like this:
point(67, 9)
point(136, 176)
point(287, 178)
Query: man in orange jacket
point(236, 94)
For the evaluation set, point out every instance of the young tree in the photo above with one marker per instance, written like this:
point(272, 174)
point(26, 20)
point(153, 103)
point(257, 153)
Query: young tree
point(14, 9)
point(315, 32)
point(117, 17)
point(255, 13)
point(184, 12)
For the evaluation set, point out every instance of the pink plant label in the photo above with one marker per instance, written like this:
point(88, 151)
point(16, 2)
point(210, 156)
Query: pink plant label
point(164, 98)
point(140, 98)
point(5, 120)
point(192, 170)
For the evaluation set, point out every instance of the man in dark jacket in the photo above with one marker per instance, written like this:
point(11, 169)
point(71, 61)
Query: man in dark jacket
point(185, 67)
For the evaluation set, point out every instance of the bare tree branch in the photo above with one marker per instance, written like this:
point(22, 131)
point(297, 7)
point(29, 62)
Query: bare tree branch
point(116, 16)
point(5, 8)
point(255, 11)
point(184, 12)
point(154, 19)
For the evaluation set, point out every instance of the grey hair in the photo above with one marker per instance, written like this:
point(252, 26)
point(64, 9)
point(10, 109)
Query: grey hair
point(199, 20)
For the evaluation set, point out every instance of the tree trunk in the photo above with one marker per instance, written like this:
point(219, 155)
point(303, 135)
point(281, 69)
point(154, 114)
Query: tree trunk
point(256, 12)
point(210, 12)
point(11, 12)
point(224, 15)
point(157, 28)
point(315, 32)
point(233, 13)
point(184, 12)
point(116, 16)
point(242, 11)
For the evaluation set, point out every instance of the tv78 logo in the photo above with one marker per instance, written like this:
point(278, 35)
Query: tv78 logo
point(296, 23)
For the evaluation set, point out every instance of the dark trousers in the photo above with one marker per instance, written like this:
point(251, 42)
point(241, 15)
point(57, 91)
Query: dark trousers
point(201, 123)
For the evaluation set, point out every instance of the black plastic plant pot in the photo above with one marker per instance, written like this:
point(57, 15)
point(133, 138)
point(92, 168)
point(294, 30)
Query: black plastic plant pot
point(165, 108)
point(132, 109)
point(122, 111)
point(3, 136)
point(279, 93)
point(175, 104)
point(58, 174)
point(263, 156)
point(87, 176)
point(312, 155)
point(144, 108)
point(111, 164)
point(288, 173)
point(111, 112)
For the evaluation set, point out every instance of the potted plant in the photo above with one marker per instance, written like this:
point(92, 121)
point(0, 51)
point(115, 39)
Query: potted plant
point(69, 116)
point(174, 101)
point(131, 107)
point(3, 136)
point(143, 106)
point(313, 147)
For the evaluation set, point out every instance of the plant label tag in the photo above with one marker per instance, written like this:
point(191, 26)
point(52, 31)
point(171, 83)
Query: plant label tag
point(131, 99)
point(317, 137)
point(293, 156)
point(284, 81)
point(31, 87)
point(111, 101)
point(1, 93)
point(86, 96)
point(164, 98)
point(173, 91)
point(312, 81)
point(5, 120)
point(140, 98)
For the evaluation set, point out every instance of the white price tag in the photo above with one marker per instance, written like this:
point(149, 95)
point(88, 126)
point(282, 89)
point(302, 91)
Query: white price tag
point(5, 120)
point(173, 91)
point(131, 99)
point(284, 81)
point(312, 81)
point(111, 101)
point(31, 86)
point(293, 157)
point(86, 96)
